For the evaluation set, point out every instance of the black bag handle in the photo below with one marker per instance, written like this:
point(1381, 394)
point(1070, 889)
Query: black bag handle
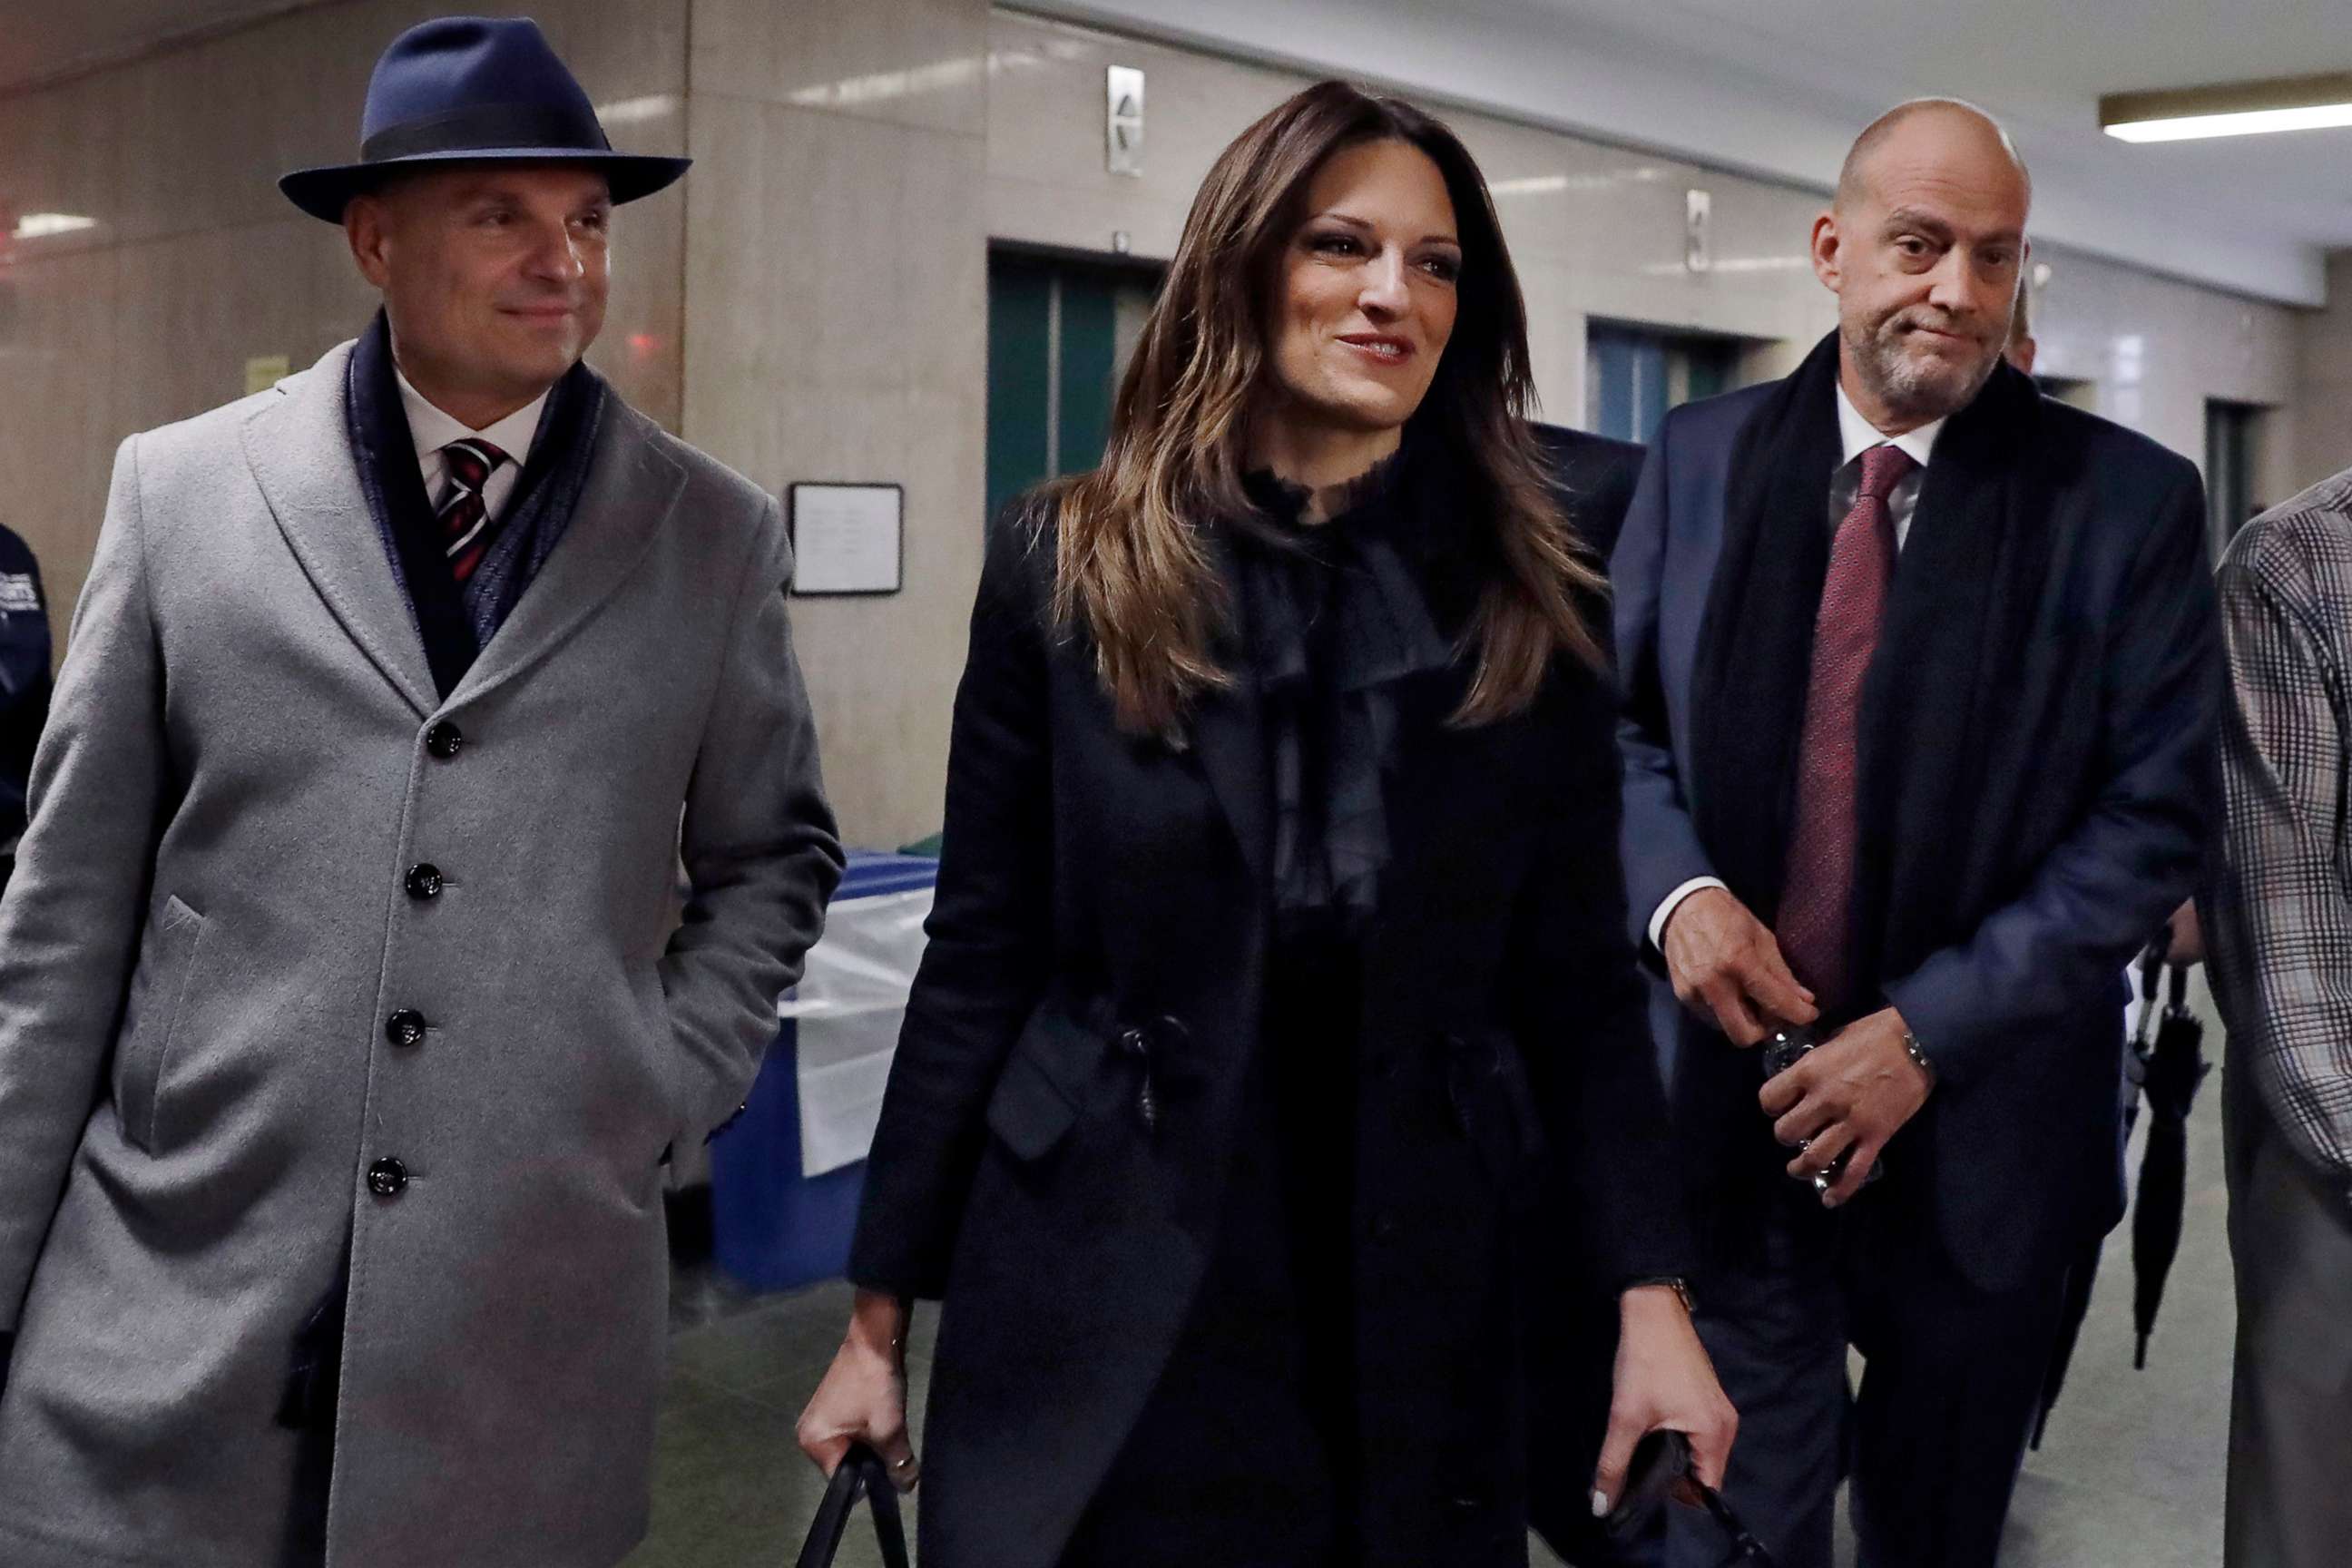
point(1744, 1548)
point(1660, 1460)
point(860, 1473)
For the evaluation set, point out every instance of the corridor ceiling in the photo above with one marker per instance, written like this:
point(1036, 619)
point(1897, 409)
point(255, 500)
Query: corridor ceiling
point(1777, 88)
point(1774, 88)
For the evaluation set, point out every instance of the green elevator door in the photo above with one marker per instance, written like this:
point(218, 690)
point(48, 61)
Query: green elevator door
point(1059, 334)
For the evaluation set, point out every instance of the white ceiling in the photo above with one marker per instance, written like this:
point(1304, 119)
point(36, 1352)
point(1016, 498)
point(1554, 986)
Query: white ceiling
point(1778, 87)
point(1773, 87)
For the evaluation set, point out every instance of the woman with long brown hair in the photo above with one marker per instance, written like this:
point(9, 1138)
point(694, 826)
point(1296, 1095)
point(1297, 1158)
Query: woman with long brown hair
point(1279, 997)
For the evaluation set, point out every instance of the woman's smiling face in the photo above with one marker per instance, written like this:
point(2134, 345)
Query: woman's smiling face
point(1365, 294)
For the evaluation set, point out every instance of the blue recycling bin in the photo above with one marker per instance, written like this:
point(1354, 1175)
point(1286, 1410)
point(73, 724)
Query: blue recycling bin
point(773, 1229)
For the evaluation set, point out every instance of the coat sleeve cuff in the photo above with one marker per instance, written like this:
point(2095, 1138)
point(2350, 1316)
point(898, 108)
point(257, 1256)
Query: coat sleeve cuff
point(1941, 1031)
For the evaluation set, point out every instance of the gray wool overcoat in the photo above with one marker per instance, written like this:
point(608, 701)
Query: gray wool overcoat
point(212, 921)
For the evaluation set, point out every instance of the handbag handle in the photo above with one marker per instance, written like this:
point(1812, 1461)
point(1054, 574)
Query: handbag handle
point(861, 1473)
point(1661, 1462)
point(1746, 1550)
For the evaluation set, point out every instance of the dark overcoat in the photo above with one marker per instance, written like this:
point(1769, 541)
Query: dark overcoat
point(1102, 905)
point(2103, 780)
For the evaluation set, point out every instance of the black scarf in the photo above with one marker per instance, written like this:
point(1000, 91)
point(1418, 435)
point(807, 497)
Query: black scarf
point(1337, 619)
point(1938, 850)
point(456, 623)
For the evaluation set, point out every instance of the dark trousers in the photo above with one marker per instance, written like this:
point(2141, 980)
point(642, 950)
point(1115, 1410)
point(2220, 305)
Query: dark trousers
point(2291, 1410)
point(1934, 1435)
point(308, 1408)
point(305, 1545)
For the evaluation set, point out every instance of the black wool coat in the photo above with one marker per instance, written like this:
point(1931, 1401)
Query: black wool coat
point(1103, 911)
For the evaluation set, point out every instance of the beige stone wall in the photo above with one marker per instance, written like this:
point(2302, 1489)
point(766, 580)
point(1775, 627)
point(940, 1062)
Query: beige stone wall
point(196, 264)
point(812, 303)
point(837, 330)
point(1595, 231)
point(2321, 415)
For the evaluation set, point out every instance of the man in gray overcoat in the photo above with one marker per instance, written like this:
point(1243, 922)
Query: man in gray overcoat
point(346, 1019)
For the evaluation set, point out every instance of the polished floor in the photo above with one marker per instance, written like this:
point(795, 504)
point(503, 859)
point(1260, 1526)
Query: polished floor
point(2130, 1472)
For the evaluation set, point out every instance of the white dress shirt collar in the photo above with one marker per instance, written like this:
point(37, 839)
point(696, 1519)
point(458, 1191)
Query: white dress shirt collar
point(1860, 435)
point(433, 429)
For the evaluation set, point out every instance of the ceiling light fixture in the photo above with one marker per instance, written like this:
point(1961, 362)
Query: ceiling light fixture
point(40, 225)
point(2237, 108)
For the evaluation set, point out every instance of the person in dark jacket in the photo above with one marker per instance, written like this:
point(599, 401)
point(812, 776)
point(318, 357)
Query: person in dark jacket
point(24, 683)
point(1278, 972)
point(1922, 674)
point(1594, 478)
point(1570, 1318)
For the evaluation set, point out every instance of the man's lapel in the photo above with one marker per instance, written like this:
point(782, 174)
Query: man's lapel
point(631, 489)
point(300, 447)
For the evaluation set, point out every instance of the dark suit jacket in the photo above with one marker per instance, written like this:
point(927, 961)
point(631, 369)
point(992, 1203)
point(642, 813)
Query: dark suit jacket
point(2024, 1019)
point(1102, 894)
point(1572, 1318)
point(1596, 478)
point(24, 677)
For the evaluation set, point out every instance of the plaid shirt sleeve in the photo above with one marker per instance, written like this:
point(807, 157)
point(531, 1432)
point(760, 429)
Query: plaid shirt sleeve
point(2280, 906)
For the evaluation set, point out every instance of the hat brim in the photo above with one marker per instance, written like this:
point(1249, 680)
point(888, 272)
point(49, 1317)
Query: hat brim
point(323, 192)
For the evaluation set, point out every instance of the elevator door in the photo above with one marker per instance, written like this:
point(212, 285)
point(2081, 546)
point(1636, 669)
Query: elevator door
point(1059, 335)
point(2233, 433)
point(1634, 373)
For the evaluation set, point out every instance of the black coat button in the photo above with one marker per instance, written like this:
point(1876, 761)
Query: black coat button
point(405, 1028)
point(424, 881)
point(1384, 1227)
point(387, 1178)
point(445, 740)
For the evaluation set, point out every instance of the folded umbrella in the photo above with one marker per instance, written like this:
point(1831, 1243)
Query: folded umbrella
point(2084, 1269)
point(2174, 1067)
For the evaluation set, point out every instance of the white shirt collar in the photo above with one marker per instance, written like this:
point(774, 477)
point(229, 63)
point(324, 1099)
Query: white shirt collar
point(1860, 435)
point(433, 429)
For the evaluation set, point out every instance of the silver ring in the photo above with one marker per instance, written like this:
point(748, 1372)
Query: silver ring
point(906, 1464)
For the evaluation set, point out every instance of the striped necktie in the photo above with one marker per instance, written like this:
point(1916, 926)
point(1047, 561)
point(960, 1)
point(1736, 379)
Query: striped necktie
point(466, 527)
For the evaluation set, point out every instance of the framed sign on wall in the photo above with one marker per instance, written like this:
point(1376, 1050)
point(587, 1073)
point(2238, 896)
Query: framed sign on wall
point(846, 538)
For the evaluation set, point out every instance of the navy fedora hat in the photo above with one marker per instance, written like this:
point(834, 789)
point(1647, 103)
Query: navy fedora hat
point(472, 89)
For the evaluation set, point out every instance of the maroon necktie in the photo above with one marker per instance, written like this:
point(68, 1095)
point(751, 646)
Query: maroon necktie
point(1818, 891)
point(464, 517)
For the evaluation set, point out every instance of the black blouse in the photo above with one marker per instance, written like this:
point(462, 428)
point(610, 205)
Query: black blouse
point(1336, 616)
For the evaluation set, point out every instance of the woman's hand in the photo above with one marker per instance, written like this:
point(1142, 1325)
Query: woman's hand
point(1663, 1383)
point(863, 1398)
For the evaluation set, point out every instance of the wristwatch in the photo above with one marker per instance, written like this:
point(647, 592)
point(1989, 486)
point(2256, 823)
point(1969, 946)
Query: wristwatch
point(1918, 1055)
point(1680, 1287)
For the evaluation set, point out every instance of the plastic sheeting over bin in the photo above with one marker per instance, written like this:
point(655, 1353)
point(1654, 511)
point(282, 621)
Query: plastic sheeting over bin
point(787, 1174)
point(849, 1004)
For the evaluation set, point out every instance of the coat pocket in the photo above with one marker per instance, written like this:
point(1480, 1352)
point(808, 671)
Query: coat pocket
point(1046, 1083)
point(159, 987)
point(1494, 1104)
